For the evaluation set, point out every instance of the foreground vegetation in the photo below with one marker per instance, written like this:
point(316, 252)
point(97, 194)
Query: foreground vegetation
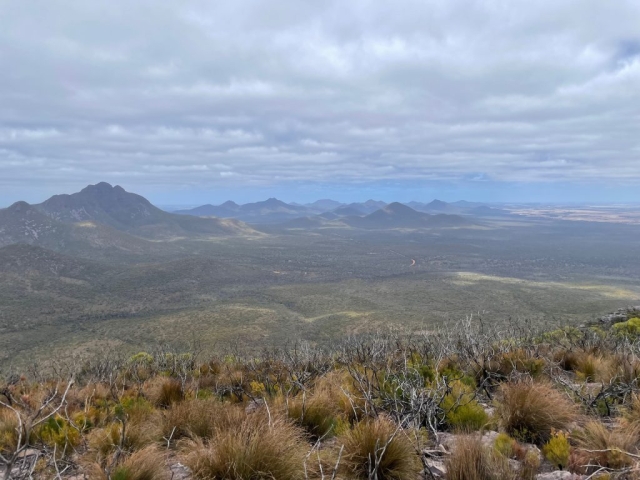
point(474, 402)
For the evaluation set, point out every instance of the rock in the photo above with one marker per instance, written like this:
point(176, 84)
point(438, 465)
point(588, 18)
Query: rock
point(489, 438)
point(180, 472)
point(620, 315)
point(559, 475)
point(447, 440)
point(437, 469)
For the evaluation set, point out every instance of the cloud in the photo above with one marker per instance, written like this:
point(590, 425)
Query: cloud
point(204, 94)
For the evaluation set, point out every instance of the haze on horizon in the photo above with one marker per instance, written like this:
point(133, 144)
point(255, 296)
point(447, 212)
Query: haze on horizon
point(199, 102)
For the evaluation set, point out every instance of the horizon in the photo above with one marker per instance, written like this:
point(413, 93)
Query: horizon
point(254, 198)
point(200, 103)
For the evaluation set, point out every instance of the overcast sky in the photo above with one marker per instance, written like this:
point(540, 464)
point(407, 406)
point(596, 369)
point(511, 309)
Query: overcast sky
point(192, 102)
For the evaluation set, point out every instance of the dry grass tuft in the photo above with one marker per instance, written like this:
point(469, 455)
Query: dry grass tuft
point(530, 411)
point(192, 418)
point(146, 464)
point(379, 444)
point(165, 392)
point(471, 460)
point(597, 445)
point(255, 448)
point(319, 414)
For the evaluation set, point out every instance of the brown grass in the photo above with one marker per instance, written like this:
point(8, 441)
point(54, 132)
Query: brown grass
point(379, 441)
point(530, 411)
point(146, 464)
point(192, 418)
point(164, 392)
point(253, 449)
point(471, 460)
point(611, 445)
point(319, 414)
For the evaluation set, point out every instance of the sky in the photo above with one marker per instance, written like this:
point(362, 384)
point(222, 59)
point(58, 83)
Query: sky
point(191, 102)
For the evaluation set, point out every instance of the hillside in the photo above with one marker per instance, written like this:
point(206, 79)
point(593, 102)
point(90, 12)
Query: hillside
point(510, 402)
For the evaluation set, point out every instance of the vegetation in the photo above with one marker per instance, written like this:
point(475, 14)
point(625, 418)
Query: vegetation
point(372, 407)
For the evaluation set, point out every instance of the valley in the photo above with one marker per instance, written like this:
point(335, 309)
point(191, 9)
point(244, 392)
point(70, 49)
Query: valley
point(64, 292)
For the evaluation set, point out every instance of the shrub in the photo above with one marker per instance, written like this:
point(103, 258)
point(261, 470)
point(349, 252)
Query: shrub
point(599, 446)
point(557, 450)
point(379, 442)
point(530, 411)
point(254, 448)
point(462, 411)
point(504, 445)
point(471, 460)
point(56, 431)
point(629, 329)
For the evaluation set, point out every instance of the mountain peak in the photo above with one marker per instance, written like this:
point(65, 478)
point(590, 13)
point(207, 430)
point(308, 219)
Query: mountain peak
point(19, 207)
point(398, 208)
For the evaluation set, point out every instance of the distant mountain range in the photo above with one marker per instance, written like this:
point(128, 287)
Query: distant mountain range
point(108, 218)
point(274, 211)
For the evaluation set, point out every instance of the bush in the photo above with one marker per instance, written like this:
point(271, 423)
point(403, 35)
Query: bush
point(462, 411)
point(530, 411)
point(557, 450)
point(504, 445)
point(629, 329)
point(379, 441)
point(471, 460)
point(253, 448)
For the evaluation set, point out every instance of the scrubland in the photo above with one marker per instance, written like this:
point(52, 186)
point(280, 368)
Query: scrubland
point(473, 402)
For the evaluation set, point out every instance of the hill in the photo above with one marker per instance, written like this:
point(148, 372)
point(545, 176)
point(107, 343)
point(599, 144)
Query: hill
point(398, 215)
point(131, 213)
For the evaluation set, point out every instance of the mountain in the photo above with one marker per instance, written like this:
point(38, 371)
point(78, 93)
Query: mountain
point(348, 210)
point(360, 208)
point(22, 223)
point(461, 207)
point(398, 215)
point(324, 205)
point(131, 213)
point(271, 210)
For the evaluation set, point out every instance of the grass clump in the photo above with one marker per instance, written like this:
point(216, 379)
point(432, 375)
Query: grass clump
point(256, 448)
point(471, 460)
point(145, 464)
point(379, 445)
point(597, 445)
point(531, 411)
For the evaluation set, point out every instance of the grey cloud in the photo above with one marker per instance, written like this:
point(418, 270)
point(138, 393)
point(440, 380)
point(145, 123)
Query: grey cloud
point(262, 93)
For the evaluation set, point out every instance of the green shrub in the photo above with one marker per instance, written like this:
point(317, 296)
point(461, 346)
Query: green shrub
point(557, 450)
point(504, 445)
point(462, 411)
point(629, 329)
